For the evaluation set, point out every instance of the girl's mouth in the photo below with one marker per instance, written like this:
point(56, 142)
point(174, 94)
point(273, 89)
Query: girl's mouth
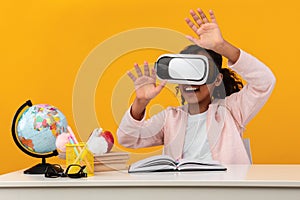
point(190, 89)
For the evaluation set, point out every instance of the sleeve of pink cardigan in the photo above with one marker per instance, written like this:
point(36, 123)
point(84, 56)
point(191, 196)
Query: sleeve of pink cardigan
point(245, 104)
point(145, 133)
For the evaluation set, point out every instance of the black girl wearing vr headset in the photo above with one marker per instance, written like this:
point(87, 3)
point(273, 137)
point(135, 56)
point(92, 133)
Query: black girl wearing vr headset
point(210, 123)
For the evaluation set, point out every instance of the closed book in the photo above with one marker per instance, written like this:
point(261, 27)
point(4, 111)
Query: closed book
point(112, 156)
point(99, 167)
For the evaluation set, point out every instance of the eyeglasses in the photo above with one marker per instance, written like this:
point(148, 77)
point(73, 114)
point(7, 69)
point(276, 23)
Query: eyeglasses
point(72, 171)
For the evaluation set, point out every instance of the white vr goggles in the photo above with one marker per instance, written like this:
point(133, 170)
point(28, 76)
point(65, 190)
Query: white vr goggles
point(183, 69)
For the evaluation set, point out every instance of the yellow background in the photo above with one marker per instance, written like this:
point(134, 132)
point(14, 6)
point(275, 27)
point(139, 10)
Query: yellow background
point(44, 43)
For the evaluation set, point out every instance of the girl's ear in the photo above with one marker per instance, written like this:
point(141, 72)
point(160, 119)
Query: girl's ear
point(219, 79)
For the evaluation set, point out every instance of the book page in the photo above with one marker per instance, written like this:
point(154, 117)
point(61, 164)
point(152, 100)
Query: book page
point(197, 167)
point(154, 163)
point(194, 165)
point(197, 162)
point(154, 168)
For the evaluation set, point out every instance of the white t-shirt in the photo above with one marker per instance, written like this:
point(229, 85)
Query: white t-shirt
point(196, 146)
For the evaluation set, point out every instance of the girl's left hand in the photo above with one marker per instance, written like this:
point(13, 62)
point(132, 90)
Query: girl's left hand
point(209, 34)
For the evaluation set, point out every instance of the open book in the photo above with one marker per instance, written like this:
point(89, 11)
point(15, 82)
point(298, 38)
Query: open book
point(166, 163)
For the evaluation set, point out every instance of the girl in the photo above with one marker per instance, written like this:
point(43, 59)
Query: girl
point(210, 126)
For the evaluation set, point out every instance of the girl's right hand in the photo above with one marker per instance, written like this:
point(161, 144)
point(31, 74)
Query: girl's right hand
point(145, 84)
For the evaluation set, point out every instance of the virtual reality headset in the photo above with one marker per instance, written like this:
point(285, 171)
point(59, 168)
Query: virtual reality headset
point(184, 69)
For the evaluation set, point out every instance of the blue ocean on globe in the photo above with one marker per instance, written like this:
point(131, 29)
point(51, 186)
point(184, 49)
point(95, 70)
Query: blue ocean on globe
point(38, 127)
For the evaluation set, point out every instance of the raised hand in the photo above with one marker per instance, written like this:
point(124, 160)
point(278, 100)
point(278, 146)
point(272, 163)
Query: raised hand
point(208, 32)
point(145, 89)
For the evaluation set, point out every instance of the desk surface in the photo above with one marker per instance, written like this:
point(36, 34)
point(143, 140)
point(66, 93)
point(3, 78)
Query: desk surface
point(235, 176)
point(257, 182)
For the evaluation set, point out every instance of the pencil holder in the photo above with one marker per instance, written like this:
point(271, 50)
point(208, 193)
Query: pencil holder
point(80, 154)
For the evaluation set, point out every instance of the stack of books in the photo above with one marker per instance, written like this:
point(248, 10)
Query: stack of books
point(111, 161)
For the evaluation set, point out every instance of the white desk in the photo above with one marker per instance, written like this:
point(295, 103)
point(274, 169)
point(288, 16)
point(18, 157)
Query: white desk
point(238, 182)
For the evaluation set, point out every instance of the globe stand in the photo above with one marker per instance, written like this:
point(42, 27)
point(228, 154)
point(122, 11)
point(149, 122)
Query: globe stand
point(39, 168)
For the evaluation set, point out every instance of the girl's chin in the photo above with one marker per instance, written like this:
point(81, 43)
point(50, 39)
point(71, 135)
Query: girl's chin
point(191, 96)
point(191, 100)
point(194, 99)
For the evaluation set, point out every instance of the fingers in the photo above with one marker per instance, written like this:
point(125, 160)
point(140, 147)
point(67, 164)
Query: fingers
point(153, 73)
point(138, 70)
point(191, 25)
point(133, 78)
point(192, 39)
point(200, 18)
point(163, 83)
point(196, 17)
point(202, 15)
point(160, 87)
point(146, 69)
point(212, 16)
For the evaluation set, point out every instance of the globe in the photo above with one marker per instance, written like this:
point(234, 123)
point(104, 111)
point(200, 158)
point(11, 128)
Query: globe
point(35, 131)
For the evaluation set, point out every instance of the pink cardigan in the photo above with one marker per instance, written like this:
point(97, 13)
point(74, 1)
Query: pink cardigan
point(226, 118)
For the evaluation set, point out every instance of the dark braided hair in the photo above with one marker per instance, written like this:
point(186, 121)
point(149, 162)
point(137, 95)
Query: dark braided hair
point(231, 82)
